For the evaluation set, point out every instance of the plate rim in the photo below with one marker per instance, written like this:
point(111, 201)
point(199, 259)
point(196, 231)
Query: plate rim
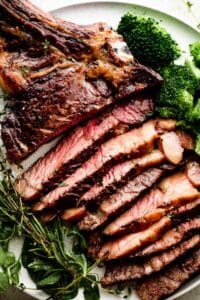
point(129, 2)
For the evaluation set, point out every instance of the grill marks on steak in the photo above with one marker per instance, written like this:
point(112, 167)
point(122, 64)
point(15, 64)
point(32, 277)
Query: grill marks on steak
point(116, 174)
point(77, 146)
point(134, 218)
point(87, 75)
point(51, 109)
point(135, 141)
point(172, 237)
point(175, 190)
point(131, 271)
point(121, 199)
point(133, 242)
point(165, 283)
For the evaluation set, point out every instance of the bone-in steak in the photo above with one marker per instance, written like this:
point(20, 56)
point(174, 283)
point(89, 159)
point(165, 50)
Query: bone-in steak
point(88, 74)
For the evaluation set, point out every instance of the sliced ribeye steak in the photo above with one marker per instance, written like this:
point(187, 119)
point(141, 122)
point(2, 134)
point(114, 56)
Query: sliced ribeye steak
point(80, 144)
point(162, 284)
point(89, 67)
point(131, 271)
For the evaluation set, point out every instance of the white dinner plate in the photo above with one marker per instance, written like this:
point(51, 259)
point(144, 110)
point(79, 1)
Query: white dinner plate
point(111, 12)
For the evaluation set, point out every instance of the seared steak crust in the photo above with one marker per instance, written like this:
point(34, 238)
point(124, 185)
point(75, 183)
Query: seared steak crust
point(121, 199)
point(131, 243)
point(84, 74)
point(160, 285)
point(131, 271)
point(172, 237)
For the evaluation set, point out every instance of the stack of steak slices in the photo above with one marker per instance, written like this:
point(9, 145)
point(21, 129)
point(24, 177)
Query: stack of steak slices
point(138, 200)
point(130, 181)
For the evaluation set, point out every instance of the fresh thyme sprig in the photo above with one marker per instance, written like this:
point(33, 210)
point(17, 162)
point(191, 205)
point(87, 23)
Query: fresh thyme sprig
point(55, 267)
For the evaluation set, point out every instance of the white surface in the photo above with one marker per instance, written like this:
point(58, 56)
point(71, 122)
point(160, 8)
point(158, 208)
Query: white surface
point(177, 8)
point(111, 14)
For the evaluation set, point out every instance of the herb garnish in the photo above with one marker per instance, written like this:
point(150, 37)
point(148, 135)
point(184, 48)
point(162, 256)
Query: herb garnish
point(55, 267)
point(46, 44)
point(25, 70)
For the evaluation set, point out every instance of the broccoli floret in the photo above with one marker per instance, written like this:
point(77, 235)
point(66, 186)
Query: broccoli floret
point(195, 51)
point(148, 41)
point(176, 98)
point(178, 89)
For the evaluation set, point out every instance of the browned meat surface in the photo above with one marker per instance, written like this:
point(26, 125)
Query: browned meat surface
point(175, 190)
point(84, 73)
point(37, 119)
point(172, 237)
point(133, 142)
point(118, 172)
point(193, 173)
point(165, 283)
point(185, 139)
point(94, 243)
point(73, 214)
point(135, 216)
point(76, 147)
point(132, 242)
point(171, 147)
point(121, 198)
point(48, 216)
point(131, 271)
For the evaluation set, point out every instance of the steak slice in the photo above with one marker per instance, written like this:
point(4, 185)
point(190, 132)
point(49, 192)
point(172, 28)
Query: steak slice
point(134, 218)
point(89, 75)
point(133, 142)
point(73, 214)
point(176, 189)
point(172, 237)
point(193, 173)
point(77, 146)
point(132, 242)
point(165, 283)
point(131, 271)
point(121, 199)
point(102, 189)
point(171, 146)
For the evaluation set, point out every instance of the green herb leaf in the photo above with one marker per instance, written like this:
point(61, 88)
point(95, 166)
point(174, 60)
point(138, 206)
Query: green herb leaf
point(14, 273)
point(50, 280)
point(46, 44)
point(91, 289)
point(25, 70)
point(4, 282)
point(6, 258)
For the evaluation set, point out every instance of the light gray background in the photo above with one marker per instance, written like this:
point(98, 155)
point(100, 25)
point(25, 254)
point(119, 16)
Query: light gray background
point(175, 7)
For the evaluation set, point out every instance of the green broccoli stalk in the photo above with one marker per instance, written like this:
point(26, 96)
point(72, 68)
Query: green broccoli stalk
point(195, 51)
point(148, 41)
